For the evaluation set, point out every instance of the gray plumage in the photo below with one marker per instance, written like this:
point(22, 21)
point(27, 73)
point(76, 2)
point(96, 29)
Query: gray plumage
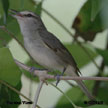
point(45, 48)
point(52, 42)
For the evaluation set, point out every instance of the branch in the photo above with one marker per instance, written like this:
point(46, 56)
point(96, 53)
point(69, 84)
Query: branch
point(97, 83)
point(64, 95)
point(37, 94)
point(42, 74)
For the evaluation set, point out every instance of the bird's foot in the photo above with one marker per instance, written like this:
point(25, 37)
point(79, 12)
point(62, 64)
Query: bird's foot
point(58, 79)
point(32, 69)
point(58, 76)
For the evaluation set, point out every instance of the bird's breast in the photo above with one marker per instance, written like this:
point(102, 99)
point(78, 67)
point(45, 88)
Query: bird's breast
point(42, 54)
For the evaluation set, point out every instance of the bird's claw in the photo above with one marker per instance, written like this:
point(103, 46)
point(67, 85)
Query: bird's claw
point(58, 79)
point(32, 69)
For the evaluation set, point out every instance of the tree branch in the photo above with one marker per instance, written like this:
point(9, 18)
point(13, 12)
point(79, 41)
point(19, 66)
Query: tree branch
point(97, 83)
point(37, 94)
point(42, 74)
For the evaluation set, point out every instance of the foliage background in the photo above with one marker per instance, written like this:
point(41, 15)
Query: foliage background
point(88, 19)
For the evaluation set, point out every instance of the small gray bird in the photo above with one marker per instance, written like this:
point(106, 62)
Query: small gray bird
point(45, 48)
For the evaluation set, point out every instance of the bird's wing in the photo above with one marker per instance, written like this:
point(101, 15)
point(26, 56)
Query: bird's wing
point(54, 44)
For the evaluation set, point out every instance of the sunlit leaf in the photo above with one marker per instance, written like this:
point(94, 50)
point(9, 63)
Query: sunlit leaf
point(39, 8)
point(5, 4)
point(104, 54)
point(102, 92)
point(96, 7)
point(83, 25)
point(11, 22)
point(9, 71)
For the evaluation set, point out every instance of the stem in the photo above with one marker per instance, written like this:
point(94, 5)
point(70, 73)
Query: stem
point(12, 35)
point(43, 73)
point(97, 83)
point(64, 95)
point(37, 94)
point(85, 50)
point(30, 90)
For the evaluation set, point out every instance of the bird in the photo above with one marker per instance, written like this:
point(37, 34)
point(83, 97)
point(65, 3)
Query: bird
point(45, 48)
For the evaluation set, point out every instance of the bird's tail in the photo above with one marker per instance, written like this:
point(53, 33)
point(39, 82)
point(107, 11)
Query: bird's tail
point(71, 71)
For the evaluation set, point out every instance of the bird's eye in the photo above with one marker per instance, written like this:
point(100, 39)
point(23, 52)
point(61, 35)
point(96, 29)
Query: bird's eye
point(28, 15)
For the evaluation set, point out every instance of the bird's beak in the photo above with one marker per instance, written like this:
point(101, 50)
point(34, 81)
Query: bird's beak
point(15, 13)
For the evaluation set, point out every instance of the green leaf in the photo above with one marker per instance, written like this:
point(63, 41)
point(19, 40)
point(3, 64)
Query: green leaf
point(28, 74)
point(4, 36)
point(8, 95)
point(102, 92)
point(80, 56)
point(104, 54)
point(96, 7)
point(28, 5)
point(5, 4)
point(39, 8)
point(1, 8)
point(76, 95)
point(9, 71)
point(83, 25)
point(17, 5)
point(12, 24)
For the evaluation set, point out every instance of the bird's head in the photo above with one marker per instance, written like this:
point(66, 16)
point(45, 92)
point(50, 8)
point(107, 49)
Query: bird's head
point(26, 18)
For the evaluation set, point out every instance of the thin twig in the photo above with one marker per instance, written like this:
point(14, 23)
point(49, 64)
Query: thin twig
point(85, 50)
point(97, 83)
point(43, 73)
point(30, 90)
point(12, 35)
point(37, 94)
point(15, 90)
point(64, 95)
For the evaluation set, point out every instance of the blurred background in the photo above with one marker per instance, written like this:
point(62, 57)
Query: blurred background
point(81, 25)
